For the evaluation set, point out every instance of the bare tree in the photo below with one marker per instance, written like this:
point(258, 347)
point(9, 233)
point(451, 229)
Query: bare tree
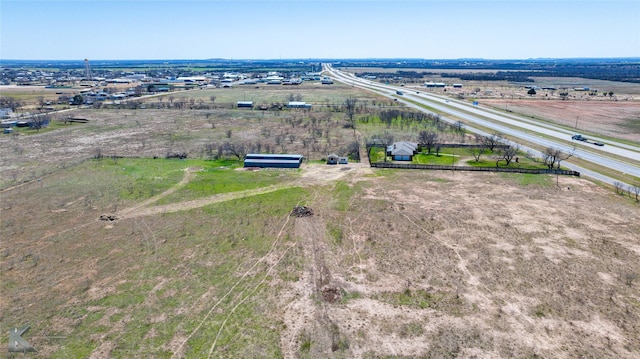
point(476, 152)
point(428, 139)
point(98, 154)
point(459, 126)
point(353, 150)
point(492, 141)
point(437, 147)
point(41, 102)
point(39, 121)
point(553, 156)
point(508, 154)
point(387, 138)
point(619, 187)
point(10, 102)
point(350, 108)
point(636, 191)
point(237, 149)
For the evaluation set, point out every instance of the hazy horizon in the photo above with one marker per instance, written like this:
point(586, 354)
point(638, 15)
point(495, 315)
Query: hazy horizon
point(271, 30)
point(634, 58)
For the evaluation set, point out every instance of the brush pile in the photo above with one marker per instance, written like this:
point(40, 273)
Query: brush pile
point(302, 211)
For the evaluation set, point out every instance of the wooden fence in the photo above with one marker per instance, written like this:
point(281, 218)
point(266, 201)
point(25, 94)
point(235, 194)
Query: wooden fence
point(415, 166)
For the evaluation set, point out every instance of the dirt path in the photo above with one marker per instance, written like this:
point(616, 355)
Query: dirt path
point(311, 175)
point(306, 317)
point(189, 174)
point(302, 315)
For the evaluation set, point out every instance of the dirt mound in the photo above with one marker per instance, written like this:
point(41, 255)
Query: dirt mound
point(331, 294)
point(108, 217)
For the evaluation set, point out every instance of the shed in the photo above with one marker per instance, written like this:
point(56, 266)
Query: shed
point(268, 160)
point(343, 160)
point(245, 104)
point(332, 159)
point(298, 104)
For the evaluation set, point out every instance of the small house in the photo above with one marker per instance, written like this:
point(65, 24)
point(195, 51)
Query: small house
point(332, 159)
point(402, 151)
point(343, 160)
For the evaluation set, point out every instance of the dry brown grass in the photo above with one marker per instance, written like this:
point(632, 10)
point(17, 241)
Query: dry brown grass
point(617, 119)
point(391, 264)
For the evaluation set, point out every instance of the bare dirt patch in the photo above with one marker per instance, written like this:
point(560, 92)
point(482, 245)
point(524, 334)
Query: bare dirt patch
point(468, 265)
point(619, 119)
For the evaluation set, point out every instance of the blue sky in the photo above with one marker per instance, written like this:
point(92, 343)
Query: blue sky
point(431, 29)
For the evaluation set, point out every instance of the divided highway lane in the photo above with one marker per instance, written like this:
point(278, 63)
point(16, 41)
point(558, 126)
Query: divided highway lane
point(542, 141)
point(446, 107)
point(619, 149)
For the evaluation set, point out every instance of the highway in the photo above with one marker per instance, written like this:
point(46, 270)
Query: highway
point(513, 126)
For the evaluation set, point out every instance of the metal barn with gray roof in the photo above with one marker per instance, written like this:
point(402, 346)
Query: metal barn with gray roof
point(269, 160)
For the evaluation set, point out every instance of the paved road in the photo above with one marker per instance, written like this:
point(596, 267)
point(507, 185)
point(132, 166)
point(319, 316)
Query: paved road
point(515, 127)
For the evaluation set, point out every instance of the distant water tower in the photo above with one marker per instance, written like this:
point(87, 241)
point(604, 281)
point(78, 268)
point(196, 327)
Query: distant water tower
point(87, 70)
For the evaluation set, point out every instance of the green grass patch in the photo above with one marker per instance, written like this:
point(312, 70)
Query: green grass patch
point(203, 254)
point(216, 179)
point(442, 159)
point(75, 348)
point(411, 330)
point(347, 296)
point(632, 124)
point(377, 154)
point(335, 232)
point(342, 194)
point(412, 298)
point(141, 178)
point(530, 179)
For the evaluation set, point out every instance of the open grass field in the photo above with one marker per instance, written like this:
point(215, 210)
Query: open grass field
point(390, 264)
point(125, 255)
point(309, 91)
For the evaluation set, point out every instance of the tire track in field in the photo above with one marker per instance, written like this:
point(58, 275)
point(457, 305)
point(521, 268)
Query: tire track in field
point(264, 258)
point(462, 264)
point(141, 211)
point(189, 174)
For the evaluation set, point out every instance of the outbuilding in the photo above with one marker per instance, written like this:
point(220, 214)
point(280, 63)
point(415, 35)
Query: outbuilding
point(298, 104)
point(269, 160)
point(332, 159)
point(245, 104)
